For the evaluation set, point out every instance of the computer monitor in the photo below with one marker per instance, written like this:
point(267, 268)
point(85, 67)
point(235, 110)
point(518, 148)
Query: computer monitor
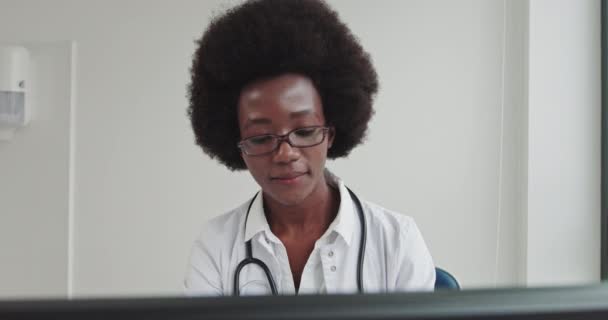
point(590, 302)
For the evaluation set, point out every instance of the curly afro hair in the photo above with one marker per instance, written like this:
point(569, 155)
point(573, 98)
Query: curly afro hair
point(266, 38)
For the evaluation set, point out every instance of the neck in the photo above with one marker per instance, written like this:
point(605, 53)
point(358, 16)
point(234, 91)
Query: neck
point(311, 217)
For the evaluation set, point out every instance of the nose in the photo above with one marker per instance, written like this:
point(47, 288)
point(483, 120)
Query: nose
point(285, 153)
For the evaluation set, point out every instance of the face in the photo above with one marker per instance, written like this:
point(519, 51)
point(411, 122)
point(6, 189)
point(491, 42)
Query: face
point(288, 175)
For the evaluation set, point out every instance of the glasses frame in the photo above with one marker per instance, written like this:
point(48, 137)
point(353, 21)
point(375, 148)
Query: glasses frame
point(282, 137)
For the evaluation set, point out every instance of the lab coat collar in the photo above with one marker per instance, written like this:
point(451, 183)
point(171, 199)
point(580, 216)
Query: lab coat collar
point(343, 224)
point(256, 222)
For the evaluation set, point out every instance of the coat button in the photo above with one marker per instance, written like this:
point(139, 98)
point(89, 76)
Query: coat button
point(331, 254)
point(333, 268)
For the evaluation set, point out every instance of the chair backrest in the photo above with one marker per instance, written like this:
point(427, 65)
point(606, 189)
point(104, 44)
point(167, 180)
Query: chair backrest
point(445, 281)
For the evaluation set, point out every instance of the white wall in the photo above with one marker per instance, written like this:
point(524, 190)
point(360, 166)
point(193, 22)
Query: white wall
point(34, 182)
point(564, 122)
point(451, 89)
point(441, 93)
point(510, 240)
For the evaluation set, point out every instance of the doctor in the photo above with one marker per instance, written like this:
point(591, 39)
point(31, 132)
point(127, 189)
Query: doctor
point(277, 88)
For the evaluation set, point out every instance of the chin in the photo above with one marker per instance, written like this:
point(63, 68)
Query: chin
point(289, 199)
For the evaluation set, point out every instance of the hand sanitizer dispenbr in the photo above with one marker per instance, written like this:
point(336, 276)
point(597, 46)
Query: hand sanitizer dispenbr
point(14, 73)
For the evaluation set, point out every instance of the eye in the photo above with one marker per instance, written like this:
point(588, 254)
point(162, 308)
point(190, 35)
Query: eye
point(306, 132)
point(260, 140)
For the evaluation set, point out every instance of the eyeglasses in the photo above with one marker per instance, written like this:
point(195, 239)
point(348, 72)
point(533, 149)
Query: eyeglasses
point(299, 138)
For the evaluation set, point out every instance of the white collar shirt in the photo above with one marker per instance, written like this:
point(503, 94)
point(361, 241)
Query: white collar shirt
point(396, 257)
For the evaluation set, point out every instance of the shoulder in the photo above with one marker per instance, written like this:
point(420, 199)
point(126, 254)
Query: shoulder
point(400, 243)
point(388, 222)
point(211, 252)
point(224, 225)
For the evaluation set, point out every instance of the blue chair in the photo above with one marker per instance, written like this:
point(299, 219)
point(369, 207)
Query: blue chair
point(445, 281)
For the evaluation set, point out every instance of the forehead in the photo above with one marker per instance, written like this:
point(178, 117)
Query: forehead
point(279, 97)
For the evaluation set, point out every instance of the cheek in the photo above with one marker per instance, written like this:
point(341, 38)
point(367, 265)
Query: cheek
point(255, 166)
point(248, 163)
point(318, 155)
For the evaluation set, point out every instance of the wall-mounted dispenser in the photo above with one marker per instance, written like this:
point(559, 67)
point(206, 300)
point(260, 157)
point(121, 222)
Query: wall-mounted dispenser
point(14, 73)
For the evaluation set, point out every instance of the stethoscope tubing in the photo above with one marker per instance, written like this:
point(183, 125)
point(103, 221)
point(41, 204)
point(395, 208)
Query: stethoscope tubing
point(251, 260)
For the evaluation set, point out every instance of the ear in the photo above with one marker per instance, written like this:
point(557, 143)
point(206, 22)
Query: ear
point(331, 135)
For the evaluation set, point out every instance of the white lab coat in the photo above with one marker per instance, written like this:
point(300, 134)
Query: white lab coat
point(396, 257)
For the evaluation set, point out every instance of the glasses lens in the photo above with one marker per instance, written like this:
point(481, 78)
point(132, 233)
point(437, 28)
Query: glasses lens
point(303, 137)
point(306, 137)
point(259, 144)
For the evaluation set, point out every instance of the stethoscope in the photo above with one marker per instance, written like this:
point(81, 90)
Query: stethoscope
point(250, 259)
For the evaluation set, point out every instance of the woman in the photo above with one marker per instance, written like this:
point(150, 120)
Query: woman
point(277, 88)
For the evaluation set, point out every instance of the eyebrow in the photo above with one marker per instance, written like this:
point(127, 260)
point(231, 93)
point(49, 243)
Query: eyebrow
point(266, 121)
point(251, 122)
point(300, 113)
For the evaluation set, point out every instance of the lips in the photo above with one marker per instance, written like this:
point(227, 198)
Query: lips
point(287, 176)
point(288, 179)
